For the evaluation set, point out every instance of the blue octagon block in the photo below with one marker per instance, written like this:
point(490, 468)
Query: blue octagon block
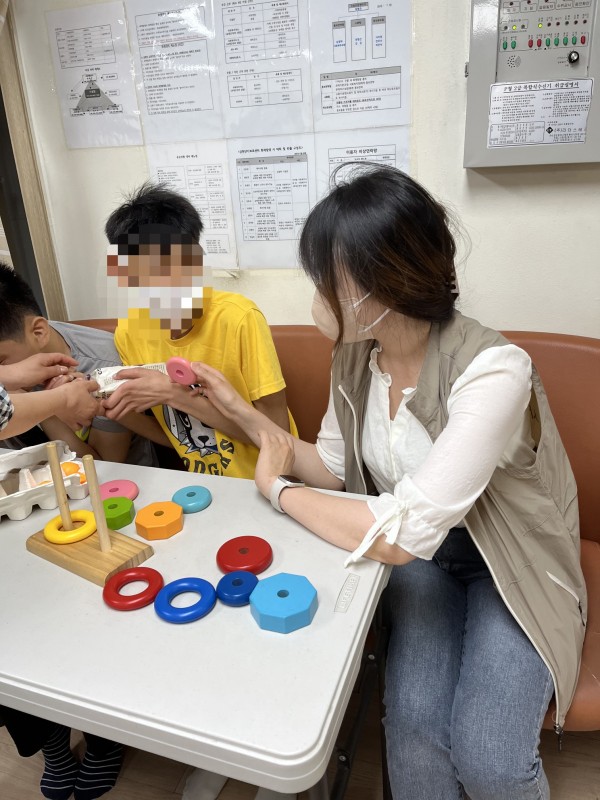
point(284, 602)
point(192, 498)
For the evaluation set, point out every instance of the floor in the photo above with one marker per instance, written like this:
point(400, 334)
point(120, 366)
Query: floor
point(574, 773)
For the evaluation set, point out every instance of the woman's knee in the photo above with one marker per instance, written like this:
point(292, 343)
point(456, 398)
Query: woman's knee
point(489, 772)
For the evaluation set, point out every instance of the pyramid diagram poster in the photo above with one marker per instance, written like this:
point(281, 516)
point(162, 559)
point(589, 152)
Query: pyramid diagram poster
point(93, 72)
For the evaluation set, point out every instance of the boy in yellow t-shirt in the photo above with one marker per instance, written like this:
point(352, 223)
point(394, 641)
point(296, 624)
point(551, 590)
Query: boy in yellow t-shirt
point(155, 255)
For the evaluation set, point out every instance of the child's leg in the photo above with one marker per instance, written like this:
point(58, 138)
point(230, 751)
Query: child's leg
point(32, 734)
point(99, 769)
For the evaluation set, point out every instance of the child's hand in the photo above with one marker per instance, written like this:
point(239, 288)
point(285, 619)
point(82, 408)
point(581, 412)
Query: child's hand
point(35, 370)
point(141, 389)
point(78, 407)
point(62, 379)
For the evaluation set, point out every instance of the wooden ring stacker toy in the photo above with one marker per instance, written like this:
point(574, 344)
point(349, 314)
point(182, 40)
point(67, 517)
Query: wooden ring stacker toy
point(180, 371)
point(123, 602)
point(102, 553)
point(164, 609)
point(248, 553)
point(54, 531)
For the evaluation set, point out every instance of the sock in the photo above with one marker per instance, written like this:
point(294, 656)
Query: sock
point(98, 773)
point(60, 767)
point(203, 785)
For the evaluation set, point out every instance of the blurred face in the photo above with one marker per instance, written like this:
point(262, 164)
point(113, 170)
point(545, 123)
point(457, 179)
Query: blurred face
point(173, 285)
point(150, 267)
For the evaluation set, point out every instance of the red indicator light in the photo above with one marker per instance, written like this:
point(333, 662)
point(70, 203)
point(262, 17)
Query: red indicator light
point(539, 42)
point(583, 39)
point(530, 43)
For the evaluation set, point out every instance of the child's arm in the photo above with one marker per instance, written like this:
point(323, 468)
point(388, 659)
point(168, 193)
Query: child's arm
point(274, 406)
point(147, 426)
point(145, 388)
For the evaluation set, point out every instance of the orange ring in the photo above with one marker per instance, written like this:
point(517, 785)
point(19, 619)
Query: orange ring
point(55, 533)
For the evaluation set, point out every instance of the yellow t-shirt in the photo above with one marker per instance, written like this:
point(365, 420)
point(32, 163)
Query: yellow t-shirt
point(233, 337)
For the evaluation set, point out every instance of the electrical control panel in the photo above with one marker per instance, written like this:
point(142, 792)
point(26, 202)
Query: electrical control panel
point(533, 83)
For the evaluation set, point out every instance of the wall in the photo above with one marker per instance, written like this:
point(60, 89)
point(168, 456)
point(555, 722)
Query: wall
point(534, 261)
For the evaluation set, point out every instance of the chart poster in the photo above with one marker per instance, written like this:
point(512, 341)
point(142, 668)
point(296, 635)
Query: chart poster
point(273, 180)
point(264, 66)
point(360, 63)
point(343, 151)
point(199, 171)
point(93, 74)
point(175, 61)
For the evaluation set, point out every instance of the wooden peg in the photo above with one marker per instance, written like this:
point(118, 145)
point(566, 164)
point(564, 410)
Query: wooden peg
point(97, 504)
point(59, 486)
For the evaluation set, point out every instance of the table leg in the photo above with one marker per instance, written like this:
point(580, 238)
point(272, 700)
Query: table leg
point(320, 791)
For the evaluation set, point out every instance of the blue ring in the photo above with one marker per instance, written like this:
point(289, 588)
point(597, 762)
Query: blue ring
point(164, 609)
point(199, 500)
point(235, 588)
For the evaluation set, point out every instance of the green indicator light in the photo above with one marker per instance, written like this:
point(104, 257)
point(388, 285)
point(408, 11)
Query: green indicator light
point(504, 44)
point(566, 40)
point(513, 44)
point(556, 41)
point(548, 42)
point(574, 40)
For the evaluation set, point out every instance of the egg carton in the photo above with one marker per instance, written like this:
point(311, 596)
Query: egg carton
point(20, 467)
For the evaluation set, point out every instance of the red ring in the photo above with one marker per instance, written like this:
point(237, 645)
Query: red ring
point(131, 602)
point(249, 553)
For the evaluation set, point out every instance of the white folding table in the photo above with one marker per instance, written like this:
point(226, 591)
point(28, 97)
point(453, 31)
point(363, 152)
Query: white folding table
point(219, 693)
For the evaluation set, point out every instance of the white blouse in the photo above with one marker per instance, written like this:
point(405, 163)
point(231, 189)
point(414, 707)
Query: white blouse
point(426, 489)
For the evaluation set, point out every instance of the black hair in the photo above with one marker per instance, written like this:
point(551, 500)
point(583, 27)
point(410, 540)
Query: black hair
point(16, 303)
point(149, 206)
point(387, 233)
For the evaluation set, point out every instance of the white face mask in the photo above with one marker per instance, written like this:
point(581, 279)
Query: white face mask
point(354, 331)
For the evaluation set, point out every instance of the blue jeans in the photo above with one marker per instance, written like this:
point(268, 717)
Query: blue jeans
point(466, 692)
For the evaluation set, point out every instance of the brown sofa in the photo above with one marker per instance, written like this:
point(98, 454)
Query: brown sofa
point(570, 369)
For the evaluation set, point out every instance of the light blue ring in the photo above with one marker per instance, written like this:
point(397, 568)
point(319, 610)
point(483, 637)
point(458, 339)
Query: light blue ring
point(164, 609)
point(199, 500)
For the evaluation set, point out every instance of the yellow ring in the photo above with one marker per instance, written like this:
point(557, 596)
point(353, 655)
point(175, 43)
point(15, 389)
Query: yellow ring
point(54, 532)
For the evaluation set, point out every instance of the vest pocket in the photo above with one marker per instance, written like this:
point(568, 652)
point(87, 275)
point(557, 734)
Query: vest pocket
point(568, 589)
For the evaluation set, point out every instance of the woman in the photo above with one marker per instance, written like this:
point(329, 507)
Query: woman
point(446, 426)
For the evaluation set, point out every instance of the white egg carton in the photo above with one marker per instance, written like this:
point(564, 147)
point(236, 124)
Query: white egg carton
point(18, 503)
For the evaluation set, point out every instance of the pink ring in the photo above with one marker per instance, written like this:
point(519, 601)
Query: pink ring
point(125, 602)
point(123, 488)
point(179, 371)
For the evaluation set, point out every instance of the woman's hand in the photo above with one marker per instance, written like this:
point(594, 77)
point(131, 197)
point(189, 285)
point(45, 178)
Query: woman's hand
point(213, 385)
point(35, 370)
point(276, 457)
point(77, 407)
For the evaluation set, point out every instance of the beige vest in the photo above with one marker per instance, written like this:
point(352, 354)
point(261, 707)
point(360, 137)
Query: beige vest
point(526, 522)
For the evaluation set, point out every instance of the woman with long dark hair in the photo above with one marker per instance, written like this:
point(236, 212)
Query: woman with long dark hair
point(444, 427)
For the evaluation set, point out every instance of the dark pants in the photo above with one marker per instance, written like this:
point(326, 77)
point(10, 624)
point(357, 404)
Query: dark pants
point(31, 733)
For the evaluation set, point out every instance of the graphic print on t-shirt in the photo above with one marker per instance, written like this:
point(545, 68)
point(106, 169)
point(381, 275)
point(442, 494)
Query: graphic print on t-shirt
point(190, 432)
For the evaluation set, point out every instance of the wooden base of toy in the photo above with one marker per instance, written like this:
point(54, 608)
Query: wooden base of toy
point(85, 558)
